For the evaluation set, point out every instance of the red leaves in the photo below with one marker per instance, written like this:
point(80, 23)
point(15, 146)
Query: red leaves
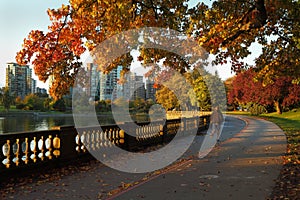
point(54, 53)
point(247, 89)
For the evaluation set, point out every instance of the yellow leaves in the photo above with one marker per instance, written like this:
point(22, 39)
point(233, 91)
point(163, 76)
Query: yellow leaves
point(207, 14)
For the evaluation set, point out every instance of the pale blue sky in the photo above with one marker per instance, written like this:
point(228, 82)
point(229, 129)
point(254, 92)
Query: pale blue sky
point(19, 17)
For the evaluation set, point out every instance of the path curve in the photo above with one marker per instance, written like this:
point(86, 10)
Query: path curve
point(241, 167)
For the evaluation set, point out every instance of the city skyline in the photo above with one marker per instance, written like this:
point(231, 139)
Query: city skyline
point(102, 86)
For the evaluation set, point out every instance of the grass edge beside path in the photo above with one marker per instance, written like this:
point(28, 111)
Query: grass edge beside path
point(288, 182)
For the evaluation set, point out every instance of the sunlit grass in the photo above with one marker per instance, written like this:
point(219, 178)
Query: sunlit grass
point(12, 108)
point(237, 113)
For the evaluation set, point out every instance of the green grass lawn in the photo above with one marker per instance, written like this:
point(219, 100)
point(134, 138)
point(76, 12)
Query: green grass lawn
point(12, 108)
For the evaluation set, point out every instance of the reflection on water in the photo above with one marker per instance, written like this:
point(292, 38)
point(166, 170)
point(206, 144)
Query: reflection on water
point(37, 123)
point(32, 123)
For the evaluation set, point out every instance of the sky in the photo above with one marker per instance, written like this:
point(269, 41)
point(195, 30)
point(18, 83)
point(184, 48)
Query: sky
point(19, 17)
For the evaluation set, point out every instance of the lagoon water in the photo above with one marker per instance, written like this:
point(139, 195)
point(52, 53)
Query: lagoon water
point(12, 124)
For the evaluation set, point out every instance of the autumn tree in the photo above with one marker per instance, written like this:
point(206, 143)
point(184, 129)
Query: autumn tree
point(33, 102)
point(174, 90)
point(282, 93)
point(191, 90)
point(227, 30)
point(229, 87)
point(83, 25)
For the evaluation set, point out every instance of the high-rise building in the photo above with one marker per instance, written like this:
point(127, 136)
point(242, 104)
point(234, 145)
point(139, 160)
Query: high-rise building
point(103, 86)
point(93, 85)
point(33, 86)
point(18, 79)
point(108, 84)
point(150, 90)
point(134, 87)
point(140, 91)
point(41, 90)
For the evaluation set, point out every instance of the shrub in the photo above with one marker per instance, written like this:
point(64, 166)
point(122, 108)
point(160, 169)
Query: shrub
point(256, 109)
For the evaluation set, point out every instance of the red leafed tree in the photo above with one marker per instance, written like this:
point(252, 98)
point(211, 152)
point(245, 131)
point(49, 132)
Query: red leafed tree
point(244, 89)
point(282, 92)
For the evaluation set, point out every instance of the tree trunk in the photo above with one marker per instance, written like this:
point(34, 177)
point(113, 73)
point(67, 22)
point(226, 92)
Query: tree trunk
point(278, 107)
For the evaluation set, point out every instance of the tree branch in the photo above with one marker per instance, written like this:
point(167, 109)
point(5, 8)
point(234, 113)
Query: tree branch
point(255, 17)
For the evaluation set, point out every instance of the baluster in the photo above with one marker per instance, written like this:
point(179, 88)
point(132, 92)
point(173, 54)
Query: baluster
point(41, 148)
point(93, 140)
point(121, 136)
point(48, 145)
point(116, 141)
point(97, 139)
point(25, 149)
point(161, 130)
point(110, 137)
point(106, 139)
point(141, 133)
point(137, 134)
point(77, 141)
point(56, 146)
point(6, 152)
point(82, 141)
point(86, 140)
point(33, 149)
point(101, 139)
point(146, 129)
point(145, 134)
point(16, 152)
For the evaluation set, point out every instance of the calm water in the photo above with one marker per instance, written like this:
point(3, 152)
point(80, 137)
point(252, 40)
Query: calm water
point(37, 123)
point(31, 123)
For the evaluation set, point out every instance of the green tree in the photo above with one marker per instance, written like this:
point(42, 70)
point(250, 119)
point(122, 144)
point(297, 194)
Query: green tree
point(1, 92)
point(47, 103)
point(101, 106)
point(120, 102)
point(6, 99)
point(59, 105)
point(173, 91)
point(139, 105)
point(33, 102)
point(19, 103)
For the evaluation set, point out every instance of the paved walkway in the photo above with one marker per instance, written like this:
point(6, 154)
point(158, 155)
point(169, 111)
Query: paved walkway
point(243, 166)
